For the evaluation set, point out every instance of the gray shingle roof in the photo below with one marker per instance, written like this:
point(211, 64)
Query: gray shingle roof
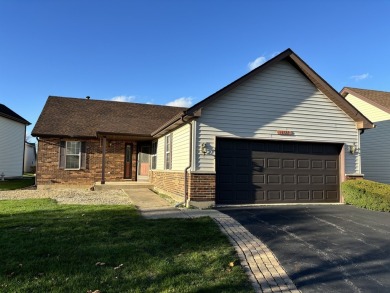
point(72, 117)
point(379, 97)
point(8, 113)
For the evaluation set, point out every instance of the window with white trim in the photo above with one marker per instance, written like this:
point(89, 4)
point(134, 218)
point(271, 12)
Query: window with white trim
point(153, 156)
point(168, 152)
point(73, 155)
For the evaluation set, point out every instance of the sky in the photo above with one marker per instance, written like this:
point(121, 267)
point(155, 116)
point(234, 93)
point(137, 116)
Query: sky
point(178, 52)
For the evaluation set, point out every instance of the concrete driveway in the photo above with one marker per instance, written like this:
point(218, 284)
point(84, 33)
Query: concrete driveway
point(324, 248)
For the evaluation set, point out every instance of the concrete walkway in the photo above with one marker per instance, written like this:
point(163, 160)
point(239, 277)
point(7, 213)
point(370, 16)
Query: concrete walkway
point(259, 263)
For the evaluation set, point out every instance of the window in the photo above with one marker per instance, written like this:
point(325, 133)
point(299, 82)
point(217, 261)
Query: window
point(73, 155)
point(153, 156)
point(168, 152)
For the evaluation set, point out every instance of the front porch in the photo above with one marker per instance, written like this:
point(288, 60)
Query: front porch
point(131, 155)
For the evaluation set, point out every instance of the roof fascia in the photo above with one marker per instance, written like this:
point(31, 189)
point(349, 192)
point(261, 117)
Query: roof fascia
point(23, 121)
point(347, 90)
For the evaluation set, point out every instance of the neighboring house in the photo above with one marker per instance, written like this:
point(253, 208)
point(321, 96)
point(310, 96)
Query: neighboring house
point(30, 156)
point(278, 134)
point(12, 138)
point(375, 105)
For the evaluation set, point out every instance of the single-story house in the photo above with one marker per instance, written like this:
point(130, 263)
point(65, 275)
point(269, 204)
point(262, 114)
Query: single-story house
point(30, 156)
point(278, 134)
point(375, 105)
point(12, 138)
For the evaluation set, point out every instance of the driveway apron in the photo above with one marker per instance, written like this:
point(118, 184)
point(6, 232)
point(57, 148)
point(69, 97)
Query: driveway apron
point(259, 263)
point(324, 248)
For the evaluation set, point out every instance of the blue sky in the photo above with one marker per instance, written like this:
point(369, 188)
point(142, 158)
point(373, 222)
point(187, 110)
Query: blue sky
point(180, 51)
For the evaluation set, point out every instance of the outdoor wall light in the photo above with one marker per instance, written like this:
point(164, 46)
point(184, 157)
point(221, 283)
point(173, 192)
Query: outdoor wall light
point(203, 148)
point(352, 148)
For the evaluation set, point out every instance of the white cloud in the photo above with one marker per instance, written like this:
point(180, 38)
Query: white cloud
point(181, 102)
point(257, 62)
point(274, 54)
point(360, 77)
point(123, 98)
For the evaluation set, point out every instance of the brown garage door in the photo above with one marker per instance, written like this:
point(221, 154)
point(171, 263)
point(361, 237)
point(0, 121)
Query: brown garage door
point(253, 171)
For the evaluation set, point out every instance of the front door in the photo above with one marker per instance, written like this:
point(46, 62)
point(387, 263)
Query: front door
point(128, 152)
point(143, 163)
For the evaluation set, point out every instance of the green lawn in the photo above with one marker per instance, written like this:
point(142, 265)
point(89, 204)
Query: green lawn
point(10, 184)
point(46, 247)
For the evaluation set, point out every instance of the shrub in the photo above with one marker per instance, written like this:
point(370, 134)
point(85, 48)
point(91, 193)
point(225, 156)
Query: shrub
point(367, 194)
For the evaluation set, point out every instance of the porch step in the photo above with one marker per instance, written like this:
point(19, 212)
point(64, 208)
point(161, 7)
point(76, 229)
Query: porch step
point(122, 185)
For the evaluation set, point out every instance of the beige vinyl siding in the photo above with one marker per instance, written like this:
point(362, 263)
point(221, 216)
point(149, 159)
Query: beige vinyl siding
point(279, 98)
point(180, 149)
point(12, 136)
point(160, 153)
point(375, 154)
point(370, 111)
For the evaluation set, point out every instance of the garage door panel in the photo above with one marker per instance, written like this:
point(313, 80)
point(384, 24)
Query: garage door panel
point(288, 164)
point(274, 147)
point(274, 179)
point(289, 148)
point(259, 195)
point(226, 179)
point(274, 195)
point(289, 195)
point(303, 164)
point(332, 195)
point(317, 164)
point(258, 179)
point(276, 171)
point(331, 165)
point(288, 179)
point(243, 178)
point(317, 179)
point(303, 179)
point(273, 163)
point(318, 194)
point(303, 195)
point(329, 179)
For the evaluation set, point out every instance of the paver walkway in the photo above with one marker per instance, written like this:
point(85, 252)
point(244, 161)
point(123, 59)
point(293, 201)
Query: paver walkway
point(259, 263)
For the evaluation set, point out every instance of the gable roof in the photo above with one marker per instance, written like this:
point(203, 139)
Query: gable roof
point(73, 117)
point(379, 99)
point(8, 113)
point(362, 122)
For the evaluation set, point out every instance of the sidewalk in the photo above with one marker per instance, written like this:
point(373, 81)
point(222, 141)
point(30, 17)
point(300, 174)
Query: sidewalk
point(259, 263)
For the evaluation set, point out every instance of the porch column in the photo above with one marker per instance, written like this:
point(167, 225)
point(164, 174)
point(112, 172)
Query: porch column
point(104, 161)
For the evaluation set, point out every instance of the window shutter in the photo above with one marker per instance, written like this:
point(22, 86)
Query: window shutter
point(83, 156)
point(170, 158)
point(165, 153)
point(62, 155)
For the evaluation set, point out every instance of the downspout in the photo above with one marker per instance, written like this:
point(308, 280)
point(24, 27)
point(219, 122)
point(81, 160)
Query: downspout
point(36, 162)
point(189, 165)
point(24, 148)
point(360, 154)
point(103, 181)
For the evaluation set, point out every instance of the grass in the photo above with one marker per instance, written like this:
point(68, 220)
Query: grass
point(10, 184)
point(46, 247)
point(367, 194)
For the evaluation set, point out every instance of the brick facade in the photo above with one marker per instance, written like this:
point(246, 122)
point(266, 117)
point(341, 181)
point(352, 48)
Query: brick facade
point(169, 182)
point(201, 187)
point(49, 173)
